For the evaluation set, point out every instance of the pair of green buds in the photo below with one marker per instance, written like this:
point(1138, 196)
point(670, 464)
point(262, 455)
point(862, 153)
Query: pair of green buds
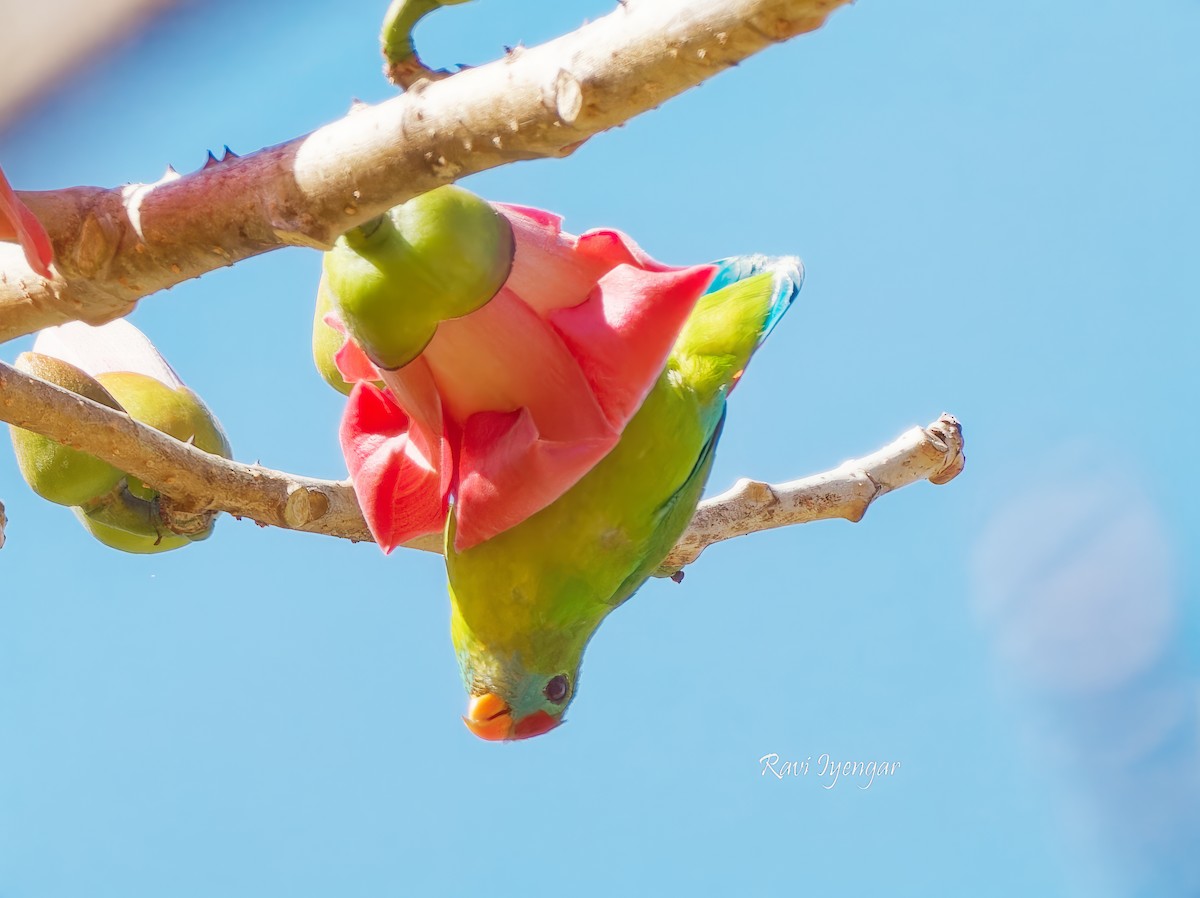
point(115, 365)
point(392, 280)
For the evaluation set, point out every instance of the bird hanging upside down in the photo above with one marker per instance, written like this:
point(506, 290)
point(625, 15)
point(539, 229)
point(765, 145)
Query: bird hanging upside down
point(551, 403)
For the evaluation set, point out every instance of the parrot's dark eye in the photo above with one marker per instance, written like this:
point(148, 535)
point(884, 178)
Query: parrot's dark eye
point(556, 689)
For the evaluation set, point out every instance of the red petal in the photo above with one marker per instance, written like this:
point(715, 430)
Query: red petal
point(622, 335)
point(553, 270)
point(616, 248)
point(507, 472)
point(352, 363)
point(17, 222)
point(414, 388)
point(401, 472)
point(504, 357)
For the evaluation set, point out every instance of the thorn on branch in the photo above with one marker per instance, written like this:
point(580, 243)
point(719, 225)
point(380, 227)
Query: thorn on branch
point(212, 161)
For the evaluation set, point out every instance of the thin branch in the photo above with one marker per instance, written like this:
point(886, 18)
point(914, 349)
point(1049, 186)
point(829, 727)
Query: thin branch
point(197, 481)
point(933, 453)
point(401, 64)
point(113, 247)
point(194, 479)
point(3, 522)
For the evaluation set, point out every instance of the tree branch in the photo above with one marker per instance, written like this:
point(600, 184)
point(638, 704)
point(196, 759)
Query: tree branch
point(933, 453)
point(197, 481)
point(194, 479)
point(113, 247)
point(3, 522)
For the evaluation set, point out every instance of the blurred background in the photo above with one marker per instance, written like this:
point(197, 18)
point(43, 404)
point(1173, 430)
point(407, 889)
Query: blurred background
point(997, 205)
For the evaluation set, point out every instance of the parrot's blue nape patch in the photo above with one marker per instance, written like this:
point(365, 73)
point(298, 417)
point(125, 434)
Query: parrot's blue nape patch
point(789, 277)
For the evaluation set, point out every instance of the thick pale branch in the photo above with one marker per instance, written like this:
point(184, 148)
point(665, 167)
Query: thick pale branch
point(197, 481)
point(933, 453)
point(113, 247)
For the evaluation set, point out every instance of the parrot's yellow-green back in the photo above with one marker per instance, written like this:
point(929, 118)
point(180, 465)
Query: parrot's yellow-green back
point(525, 603)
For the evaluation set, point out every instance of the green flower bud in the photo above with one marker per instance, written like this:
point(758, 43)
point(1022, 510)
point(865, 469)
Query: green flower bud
point(127, 541)
point(326, 341)
point(176, 411)
point(441, 255)
point(130, 519)
point(121, 368)
point(56, 472)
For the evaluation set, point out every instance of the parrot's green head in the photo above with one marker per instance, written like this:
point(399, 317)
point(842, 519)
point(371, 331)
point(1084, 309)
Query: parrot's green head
point(520, 669)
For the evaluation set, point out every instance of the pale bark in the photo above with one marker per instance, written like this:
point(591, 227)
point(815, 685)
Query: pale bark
point(197, 481)
point(933, 453)
point(115, 246)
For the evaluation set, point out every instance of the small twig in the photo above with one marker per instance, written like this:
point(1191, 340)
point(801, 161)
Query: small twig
point(401, 64)
point(3, 521)
point(197, 481)
point(933, 453)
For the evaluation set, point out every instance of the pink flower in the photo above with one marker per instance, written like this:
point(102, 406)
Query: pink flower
point(511, 405)
point(19, 224)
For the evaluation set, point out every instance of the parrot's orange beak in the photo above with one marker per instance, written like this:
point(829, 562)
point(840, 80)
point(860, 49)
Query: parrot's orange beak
point(489, 717)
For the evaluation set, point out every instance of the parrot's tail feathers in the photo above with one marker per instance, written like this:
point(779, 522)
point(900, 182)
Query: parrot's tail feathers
point(787, 276)
point(746, 298)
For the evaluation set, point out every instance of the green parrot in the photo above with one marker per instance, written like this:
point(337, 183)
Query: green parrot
point(525, 603)
point(550, 403)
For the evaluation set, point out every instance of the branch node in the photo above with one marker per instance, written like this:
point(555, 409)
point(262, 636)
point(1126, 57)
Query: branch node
point(756, 492)
point(856, 507)
point(304, 506)
point(182, 518)
point(98, 242)
point(568, 97)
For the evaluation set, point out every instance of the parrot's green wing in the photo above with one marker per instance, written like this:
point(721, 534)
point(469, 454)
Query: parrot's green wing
point(672, 518)
point(747, 297)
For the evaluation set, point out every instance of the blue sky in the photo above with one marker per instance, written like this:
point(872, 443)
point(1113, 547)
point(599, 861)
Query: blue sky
point(997, 209)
